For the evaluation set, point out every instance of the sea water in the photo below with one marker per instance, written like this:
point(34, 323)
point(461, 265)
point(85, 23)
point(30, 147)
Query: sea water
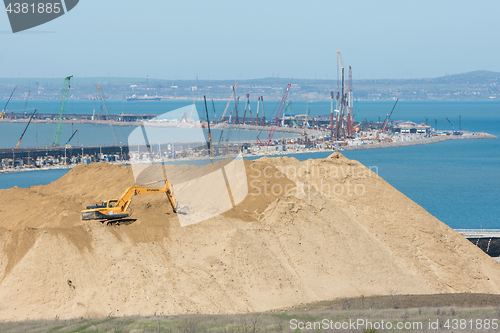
point(458, 181)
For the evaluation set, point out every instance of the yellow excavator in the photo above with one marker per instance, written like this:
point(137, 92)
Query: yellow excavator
point(118, 209)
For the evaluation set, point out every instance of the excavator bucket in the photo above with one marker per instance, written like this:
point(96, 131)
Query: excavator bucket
point(184, 210)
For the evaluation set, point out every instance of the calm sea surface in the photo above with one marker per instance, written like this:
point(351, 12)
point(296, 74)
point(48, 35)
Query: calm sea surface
point(458, 181)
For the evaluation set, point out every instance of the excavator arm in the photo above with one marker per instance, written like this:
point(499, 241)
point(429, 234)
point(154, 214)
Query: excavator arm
point(119, 209)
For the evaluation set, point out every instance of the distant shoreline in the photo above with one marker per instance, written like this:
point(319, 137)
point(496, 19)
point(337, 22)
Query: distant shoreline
point(294, 151)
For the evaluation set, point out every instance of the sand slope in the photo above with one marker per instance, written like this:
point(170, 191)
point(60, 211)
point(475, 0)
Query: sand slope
point(291, 246)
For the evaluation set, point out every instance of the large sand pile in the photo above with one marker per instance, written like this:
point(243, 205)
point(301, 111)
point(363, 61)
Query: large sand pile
point(294, 245)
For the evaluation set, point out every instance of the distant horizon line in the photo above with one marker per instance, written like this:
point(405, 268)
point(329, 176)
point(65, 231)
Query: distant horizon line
point(235, 80)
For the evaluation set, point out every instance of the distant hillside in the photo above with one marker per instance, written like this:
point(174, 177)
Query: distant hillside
point(477, 85)
point(470, 77)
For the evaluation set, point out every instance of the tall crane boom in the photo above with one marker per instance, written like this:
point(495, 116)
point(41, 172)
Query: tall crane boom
point(390, 114)
point(229, 101)
point(277, 119)
point(281, 106)
point(215, 114)
point(71, 137)
point(209, 132)
point(341, 69)
point(62, 110)
point(236, 119)
point(257, 116)
point(218, 143)
point(22, 135)
point(350, 128)
point(263, 123)
point(2, 114)
point(455, 132)
point(249, 109)
point(106, 109)
point(387, 117)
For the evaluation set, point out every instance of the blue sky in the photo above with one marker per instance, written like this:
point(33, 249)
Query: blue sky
point(255, 39)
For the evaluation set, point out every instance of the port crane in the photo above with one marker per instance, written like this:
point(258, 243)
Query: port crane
point(276, 119)
point(62, 110)
point(2, 114)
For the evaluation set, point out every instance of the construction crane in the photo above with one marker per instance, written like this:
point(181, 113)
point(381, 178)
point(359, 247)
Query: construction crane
point(357, 126)
point(118, 209)
point(215, 114)
point(350, 129)
point(2, 114)
point(29, 122)
point(236, 118)
point(277, 119)
point(229, 101)
point(71, 137)
point(455, 132)
point(331, 115)
point(386, 120)
point(209, 132)
point(62, 110)
point(389, 118)
point(218, 143)
point(306, 122)
point(249, 109)
point(245, 112)
point(341, 71)
point(263, 123)
point(342, 116)
point(257, 116)
point(108, 115)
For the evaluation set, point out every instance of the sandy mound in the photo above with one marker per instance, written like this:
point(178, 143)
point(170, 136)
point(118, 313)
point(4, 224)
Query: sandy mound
point(307, 231)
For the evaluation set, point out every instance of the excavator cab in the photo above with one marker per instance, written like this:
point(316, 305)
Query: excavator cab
point(102, 205)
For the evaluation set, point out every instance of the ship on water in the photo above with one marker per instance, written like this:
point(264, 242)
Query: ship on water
point(144, 98)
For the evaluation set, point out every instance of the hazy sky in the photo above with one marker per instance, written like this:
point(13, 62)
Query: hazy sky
point(255, 39)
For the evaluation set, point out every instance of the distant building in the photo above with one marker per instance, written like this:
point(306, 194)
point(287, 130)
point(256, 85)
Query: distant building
point(406, 126)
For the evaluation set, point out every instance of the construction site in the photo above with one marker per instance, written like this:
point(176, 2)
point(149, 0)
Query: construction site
point(295, 132)
point(135, 229)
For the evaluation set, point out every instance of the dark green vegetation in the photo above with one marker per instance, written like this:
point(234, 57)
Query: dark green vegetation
point(478, 85)
point(443, 309)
